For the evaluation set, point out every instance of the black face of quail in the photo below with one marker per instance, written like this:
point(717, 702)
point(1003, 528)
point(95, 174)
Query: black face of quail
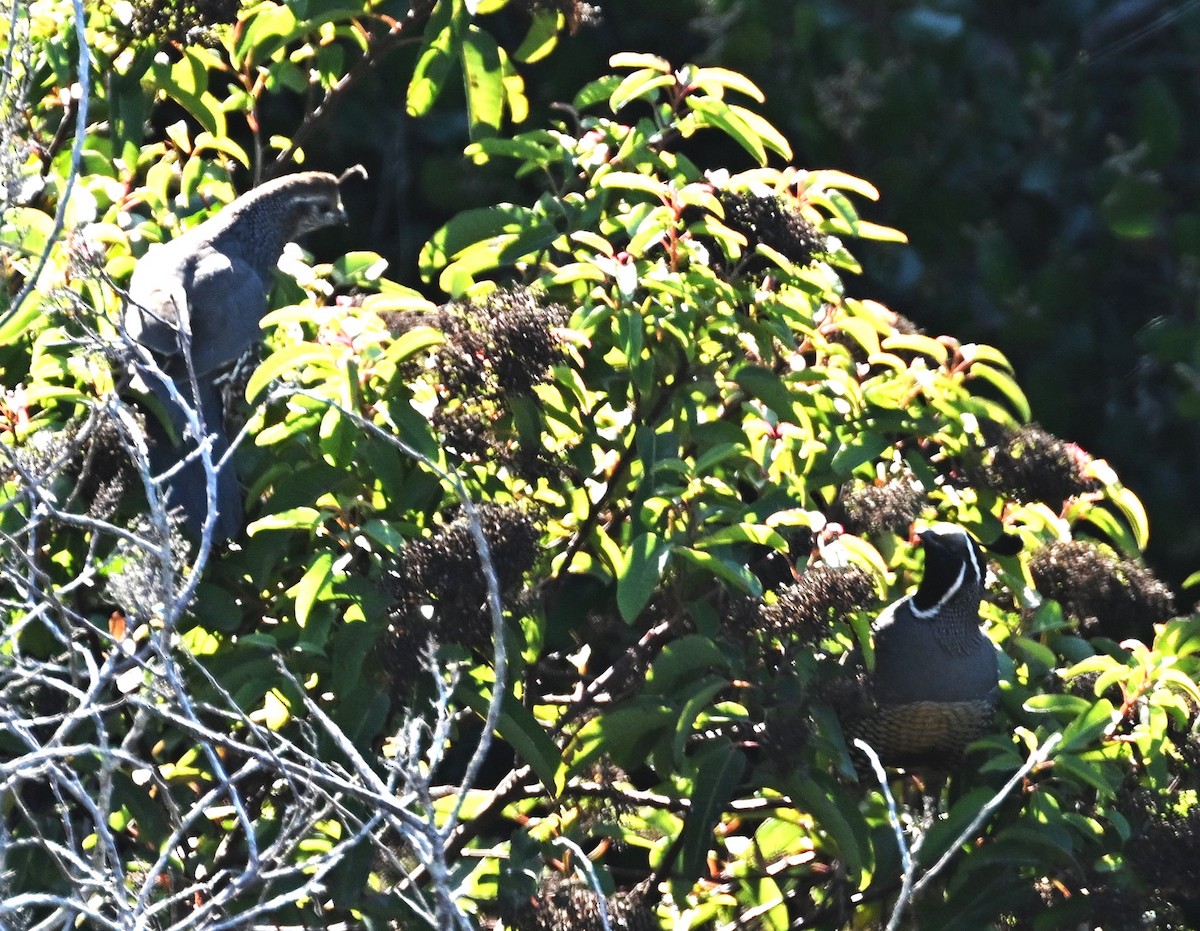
point(954, 563)
point(317, 209)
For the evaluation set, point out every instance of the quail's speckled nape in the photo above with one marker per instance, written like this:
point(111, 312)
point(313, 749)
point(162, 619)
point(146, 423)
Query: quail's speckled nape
point(201, 297)
point(935, 686)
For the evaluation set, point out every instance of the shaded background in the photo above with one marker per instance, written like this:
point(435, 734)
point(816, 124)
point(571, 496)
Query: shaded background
point(1041, 157)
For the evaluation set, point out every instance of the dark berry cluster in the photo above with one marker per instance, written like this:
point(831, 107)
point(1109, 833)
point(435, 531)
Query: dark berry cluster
point(805, 610)
point(1109, 596)
point(874, 509)
point(604, 802)
point(563, 904)
point(770, 220)
point(94, 459)
point(439, 588)
point(1165, 852)
point(1030, 464)
point(502, 345)
point(497, 349)
point(784, 737)
point(184, 21)
point(105, 469)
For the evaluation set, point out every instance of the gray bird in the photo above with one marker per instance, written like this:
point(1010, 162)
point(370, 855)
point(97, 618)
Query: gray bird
point(935, 686)
point(201, 296)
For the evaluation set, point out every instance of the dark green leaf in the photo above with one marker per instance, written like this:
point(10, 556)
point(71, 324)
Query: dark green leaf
point(717, 773)
point(526, 735)
point(645, 562)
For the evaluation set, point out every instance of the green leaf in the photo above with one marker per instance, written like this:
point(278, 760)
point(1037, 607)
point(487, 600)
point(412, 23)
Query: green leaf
point(722, 116)
point(644, 564)
point(639, 60)
point(774, 140)
point(1007, 386)
point(269, 28)
point(526, 735)
point(1131, 207)
point(470, 228)
point(640, 84)
point(833, 809)
point(627, 734)
point(597, 91)
point(733, 572)
point(484, 81)
point(1088, 726)
point(498, 252)
point(314, 582)
point(713, 80)
point(536, 150)
point(829, 178)
point(719, 769)
point(1134, 513)
point(433, 64)
point(1068, 706)
point(359, 268)
point(1112, 527)
point(1179, 637)
point(413, 341)
point(186, 82)
point(862, 448)
point(633, 181)
point(768, 387)
point(301, 518)
point(288, 360)
point(541, 38)
point(699, 697)
point(757, 534)
point(865, 229)
point(1101, 777)
point(681, 660)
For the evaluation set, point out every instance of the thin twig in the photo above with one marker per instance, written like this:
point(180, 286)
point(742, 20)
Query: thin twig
point(911, 887)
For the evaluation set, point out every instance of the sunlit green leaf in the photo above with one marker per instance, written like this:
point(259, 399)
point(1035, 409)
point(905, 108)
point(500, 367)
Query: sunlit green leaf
point(484, 82)
point(314, 582)
point(435, 60)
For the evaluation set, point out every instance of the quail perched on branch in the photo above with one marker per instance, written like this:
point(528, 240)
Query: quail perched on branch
point(935, 686)
point(195, 303)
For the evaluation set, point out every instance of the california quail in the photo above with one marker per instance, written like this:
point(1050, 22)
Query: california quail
point(935, 684)
point(204, 293)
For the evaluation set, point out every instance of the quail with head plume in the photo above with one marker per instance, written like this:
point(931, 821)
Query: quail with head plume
point(195, 303)
point(935, 686)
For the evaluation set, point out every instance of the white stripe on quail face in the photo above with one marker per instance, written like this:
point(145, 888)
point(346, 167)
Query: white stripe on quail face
point(926, 613)
point(977, 561)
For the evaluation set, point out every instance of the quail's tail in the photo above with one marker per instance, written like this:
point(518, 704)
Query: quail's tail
point(187, 488)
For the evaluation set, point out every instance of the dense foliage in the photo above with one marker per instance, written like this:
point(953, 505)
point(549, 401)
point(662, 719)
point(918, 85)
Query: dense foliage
point(554, 563)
